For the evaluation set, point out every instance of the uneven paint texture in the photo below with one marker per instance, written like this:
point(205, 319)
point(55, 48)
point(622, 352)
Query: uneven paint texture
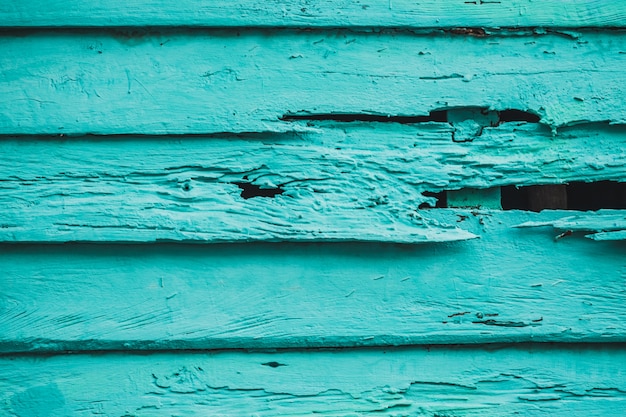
point(608, 225)
point(239, 208)
point(319, 13)
point(122, 81)
point(339, 182)
point(511, 285)
point(530, 380)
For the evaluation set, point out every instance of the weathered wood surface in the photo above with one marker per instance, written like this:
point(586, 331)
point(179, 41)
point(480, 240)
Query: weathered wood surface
point(350, 181)
point(319, 13)
point(512, 284)
point(528, 380)
point(615, 235)
point(203, 81)
point(606, 225)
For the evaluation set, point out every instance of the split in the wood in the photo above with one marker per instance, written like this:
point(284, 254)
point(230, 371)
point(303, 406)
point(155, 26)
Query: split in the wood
point(581, 196)
point(469, 120)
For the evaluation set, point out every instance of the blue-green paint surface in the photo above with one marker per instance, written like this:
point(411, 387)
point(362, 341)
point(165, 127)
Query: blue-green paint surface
point(319, 13)
point(574, 380)
point(511, 285)
point(338, 182)
point(140, 275)
point(120, 81)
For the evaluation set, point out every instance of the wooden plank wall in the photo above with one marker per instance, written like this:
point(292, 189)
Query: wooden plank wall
point(243, 208)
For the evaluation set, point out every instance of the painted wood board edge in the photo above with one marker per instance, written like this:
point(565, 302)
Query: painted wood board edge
point(321, 13)
point(348, 232)
point(606, 224)
point(614, 235)
point(48, 346)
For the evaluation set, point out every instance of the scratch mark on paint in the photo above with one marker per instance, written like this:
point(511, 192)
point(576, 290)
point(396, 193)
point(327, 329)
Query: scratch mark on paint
point(144, 87)
point(462, 313)
point(128, 79)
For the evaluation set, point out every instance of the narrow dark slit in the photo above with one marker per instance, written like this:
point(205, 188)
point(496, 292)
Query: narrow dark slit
point(513, 115)
point(433, 116)
point(440, 116)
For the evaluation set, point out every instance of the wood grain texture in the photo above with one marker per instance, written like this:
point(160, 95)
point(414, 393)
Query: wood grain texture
point(605, 225)
point(528, 380)
point(511, 285)
point(204, 81)
point(338, 182)
point(319, 13)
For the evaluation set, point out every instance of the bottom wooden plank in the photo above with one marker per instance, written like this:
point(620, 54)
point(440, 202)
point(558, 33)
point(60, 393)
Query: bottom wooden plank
point(556, 380)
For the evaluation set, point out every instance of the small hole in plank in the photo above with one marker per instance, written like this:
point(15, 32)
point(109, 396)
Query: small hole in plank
point(249, 190)
point(273, 364)
point(441, 200)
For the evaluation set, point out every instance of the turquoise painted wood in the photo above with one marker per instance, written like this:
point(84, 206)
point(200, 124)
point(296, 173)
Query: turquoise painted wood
point(511, 285)
point(236, 208)
point(182, 81)
point(338, 182)
point(319, 13)
point(533, 380)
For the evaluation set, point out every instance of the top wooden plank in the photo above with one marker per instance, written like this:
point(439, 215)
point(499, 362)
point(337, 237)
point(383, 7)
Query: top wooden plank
point(320, 13)
point(183, 81)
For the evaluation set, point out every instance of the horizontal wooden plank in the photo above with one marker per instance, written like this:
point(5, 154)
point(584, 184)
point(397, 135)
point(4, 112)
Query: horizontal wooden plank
point(351, 181)
point(511, 285)
point(321, 13)
point(530, 381)
point(204, 81)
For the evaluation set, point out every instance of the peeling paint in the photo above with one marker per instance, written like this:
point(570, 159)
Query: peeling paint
point(349, 163)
